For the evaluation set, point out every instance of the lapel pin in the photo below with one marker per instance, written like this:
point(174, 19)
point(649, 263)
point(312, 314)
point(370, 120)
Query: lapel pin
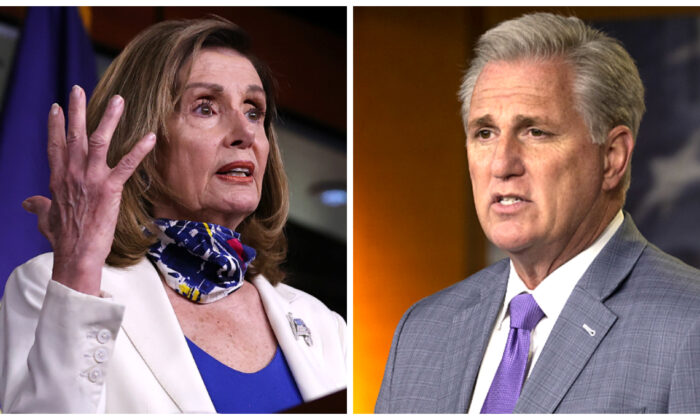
point(300, 329)
point(589, 330)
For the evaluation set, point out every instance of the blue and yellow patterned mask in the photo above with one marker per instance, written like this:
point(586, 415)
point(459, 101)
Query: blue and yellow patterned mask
point(203, 262)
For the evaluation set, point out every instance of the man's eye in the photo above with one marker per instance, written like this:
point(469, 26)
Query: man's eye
point(536, 132)
point(483, 134)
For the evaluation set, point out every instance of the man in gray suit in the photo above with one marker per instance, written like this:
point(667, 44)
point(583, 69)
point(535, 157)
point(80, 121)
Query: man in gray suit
point(585, 315)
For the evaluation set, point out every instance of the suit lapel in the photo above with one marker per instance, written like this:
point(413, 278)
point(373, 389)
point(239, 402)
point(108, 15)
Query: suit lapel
point(468, 336)
point(151, 326)
point(568, 349)
point(582, 324)
point(305, 362)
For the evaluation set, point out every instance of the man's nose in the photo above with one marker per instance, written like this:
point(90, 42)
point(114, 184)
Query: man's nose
point(507, 160)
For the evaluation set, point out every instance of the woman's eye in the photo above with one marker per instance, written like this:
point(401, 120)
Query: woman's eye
point(204, 108)
point(256, 114)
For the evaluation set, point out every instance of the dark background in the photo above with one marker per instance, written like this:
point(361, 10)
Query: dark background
point(306, 50)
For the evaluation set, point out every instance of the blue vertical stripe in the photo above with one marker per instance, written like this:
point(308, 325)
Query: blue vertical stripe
point(53, 54)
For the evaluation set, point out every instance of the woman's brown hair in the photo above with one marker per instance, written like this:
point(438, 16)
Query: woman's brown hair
point(147, 75)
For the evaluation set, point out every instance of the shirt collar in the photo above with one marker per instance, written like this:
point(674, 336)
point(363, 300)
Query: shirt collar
point(553, 292)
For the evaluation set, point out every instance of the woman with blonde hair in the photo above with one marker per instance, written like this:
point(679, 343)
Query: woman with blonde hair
point(151, 301)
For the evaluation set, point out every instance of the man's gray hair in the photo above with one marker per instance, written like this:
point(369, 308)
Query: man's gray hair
point(607, 87)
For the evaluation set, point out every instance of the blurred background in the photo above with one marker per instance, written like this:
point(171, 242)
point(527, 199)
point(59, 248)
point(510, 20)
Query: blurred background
point(415, 228)
point(306, 50)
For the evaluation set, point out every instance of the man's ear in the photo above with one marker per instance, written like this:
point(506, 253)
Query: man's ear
point(617, 155)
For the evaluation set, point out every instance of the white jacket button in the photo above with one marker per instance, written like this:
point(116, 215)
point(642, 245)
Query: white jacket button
point(95, 375)
point(101, 355)
point(104, 336)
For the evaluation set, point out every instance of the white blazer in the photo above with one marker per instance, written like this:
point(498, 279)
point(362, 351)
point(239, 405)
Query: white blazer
point(66, 352)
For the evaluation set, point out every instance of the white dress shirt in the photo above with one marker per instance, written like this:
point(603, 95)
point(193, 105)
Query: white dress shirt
point(551, 296)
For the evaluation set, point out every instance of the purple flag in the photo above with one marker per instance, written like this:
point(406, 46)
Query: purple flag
point(53, 54)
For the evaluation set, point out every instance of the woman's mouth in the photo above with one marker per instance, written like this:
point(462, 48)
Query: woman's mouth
point(240, 171)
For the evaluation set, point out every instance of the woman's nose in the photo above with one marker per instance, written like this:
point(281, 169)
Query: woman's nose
point(242, 130)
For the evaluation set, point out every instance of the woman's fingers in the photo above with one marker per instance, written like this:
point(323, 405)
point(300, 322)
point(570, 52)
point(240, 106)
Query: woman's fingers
point(128, 163)
point(98, 143)
point(56, 148)
point(40, 206)
point(81, 219)
point(76, 138)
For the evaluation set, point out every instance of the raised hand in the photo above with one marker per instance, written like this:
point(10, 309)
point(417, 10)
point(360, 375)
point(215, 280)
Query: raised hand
point(80, 220)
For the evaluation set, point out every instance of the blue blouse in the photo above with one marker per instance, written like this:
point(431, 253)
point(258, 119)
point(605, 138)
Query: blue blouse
point(270, 390)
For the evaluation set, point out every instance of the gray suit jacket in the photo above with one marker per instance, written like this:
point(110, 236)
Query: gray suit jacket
point(644, 306)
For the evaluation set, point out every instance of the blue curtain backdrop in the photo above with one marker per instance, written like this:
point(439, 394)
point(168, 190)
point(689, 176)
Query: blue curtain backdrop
point(53, 54)
point(664, 198)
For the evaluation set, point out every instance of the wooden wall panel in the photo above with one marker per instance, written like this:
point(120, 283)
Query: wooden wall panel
point(114, 27)
point(414, 223)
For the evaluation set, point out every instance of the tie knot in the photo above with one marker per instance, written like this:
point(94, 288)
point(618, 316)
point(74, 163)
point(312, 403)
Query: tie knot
point(524, 312)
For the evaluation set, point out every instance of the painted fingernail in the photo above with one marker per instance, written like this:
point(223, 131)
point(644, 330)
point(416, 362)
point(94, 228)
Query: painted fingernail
point(54, 109)
point(116, 101)
point(27, 205)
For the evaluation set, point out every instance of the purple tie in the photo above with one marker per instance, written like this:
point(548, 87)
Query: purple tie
point(506, 385)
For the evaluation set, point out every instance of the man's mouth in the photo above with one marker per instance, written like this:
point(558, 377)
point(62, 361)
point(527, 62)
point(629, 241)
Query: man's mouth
point(509, 200)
